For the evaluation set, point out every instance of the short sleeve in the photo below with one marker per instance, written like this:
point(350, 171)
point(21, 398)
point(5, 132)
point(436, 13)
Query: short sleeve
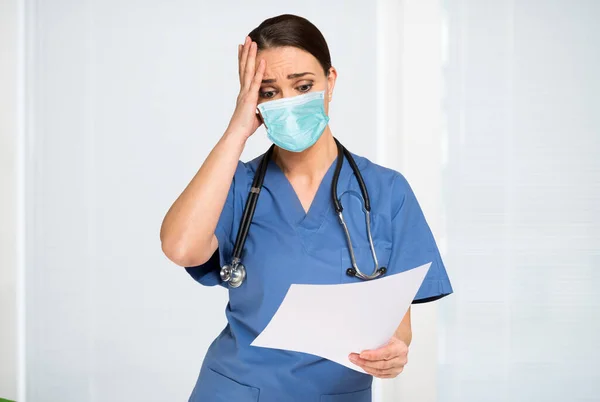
point(208, 273)
point(414, 245)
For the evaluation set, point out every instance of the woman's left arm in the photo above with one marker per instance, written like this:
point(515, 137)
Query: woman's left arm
point(388, 361)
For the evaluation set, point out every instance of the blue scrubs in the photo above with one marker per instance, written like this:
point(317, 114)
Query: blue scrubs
point(285, 245)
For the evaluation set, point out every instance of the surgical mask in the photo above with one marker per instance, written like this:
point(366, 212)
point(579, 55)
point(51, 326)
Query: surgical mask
point(296, 123)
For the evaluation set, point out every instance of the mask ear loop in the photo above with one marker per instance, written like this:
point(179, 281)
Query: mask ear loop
point(260, 118)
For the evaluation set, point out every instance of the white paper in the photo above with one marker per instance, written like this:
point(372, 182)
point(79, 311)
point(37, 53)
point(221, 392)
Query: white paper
point(332, 321)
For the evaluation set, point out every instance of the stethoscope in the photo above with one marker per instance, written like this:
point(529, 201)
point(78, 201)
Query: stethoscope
point(235, 273)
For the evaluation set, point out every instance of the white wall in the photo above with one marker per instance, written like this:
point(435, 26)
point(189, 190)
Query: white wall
point(522, 201)
point(129, 97)
point(409, 119)
point(488, 107)
point(9, 60)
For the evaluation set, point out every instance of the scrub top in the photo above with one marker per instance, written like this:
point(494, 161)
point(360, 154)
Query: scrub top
point(285, 245)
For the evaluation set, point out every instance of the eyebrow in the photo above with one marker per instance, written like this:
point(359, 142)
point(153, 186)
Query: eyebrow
point(289, 77)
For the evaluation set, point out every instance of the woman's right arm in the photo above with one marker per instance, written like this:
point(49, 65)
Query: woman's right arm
point(187, 232)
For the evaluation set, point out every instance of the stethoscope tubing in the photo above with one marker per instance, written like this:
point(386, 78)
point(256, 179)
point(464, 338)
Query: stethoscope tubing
point(236, 273)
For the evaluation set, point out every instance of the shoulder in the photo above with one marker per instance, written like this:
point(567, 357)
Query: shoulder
point(252, 164)
point(383, 182)
point(244, 171)
point(380, 174)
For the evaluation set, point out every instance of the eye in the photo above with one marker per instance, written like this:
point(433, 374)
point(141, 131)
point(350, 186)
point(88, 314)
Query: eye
point(305, 87)
point(267, 94)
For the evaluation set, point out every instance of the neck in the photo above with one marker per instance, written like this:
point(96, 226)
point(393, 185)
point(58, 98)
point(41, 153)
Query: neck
point(311, 162)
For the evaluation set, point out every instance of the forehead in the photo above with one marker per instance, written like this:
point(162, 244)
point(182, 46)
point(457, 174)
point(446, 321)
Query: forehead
point(288, 60)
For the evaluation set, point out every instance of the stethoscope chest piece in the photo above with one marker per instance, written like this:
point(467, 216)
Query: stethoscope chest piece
point(233, 275)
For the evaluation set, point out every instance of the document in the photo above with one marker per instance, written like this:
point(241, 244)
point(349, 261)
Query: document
point(332, 321)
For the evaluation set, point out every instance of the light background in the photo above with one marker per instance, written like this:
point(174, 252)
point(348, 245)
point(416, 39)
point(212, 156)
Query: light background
point(490, 108)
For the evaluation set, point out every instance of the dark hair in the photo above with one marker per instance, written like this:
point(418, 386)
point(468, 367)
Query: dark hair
point(294, 31)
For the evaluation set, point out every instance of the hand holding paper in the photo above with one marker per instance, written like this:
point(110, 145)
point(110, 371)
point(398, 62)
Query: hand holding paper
point(385, 362)
point(332, 321)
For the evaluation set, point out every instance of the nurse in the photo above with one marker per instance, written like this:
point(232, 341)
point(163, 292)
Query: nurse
point(295, 235)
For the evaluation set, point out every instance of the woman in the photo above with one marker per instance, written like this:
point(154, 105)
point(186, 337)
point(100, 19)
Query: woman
point(295, 235)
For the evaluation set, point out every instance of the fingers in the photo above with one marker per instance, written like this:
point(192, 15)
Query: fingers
point(240, 47)
point(380, 369)
point(385, 362)
point(380, 364)
point(240, 69)
point(257, 80)
point(383, 373)
point(243, 57)
point(249, 73)
point(249, 70)
point(394, 348)
point(386, 352)
point(385, 376)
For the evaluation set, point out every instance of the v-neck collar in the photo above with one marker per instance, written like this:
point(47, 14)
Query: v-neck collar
point(282, 190)
point(279, 184)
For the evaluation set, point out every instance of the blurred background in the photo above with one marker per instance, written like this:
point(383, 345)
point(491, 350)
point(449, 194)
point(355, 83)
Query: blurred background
point(491, 109)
